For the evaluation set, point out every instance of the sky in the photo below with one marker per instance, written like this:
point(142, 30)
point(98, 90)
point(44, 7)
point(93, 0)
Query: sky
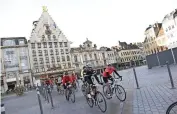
point(104, 22)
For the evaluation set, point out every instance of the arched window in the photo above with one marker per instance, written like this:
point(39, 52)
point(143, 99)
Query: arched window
point(68, 58)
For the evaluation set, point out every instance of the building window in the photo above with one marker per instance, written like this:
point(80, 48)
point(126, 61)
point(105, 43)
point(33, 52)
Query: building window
point(34, 53)
point(51, 52)
point(47, 59)
point(37, 70)
point(90, 56)
point(68, 58)
point(69, 65)
point(59, 66)
point(48, 66)
point(45, 52)
point(58, 59)
point(54, 37)
point(75, 58)
point(39, 45)
point(41, 60)
point(45, 44)
point(50, 44)
point(49, 37)
point(61, 44)
point(62, 51)
point(32, 45)
point(173, 27)
point(66, 51)
point(96, 62)
point(77, 65)
point(169, 27)
point(56, 51)
point(40, 52)
point(65, 44)
point(55, 44)
point(103, 55)
point(95, 56)
point(85, 56)
point(53, 59)
point(35, 59)
point(63, 58)
point(43, 69)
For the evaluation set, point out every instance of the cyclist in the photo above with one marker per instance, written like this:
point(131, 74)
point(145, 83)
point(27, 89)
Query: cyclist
point(74, 78)
point(88, 72)
point(67, 80)
point(107, 74)
point(59, 82)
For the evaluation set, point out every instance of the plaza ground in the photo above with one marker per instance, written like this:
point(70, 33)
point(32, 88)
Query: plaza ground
point(153, 97)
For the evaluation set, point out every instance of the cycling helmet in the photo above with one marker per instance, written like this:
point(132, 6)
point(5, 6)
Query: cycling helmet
point(84, 67)
point(66, 73)
point(109, 65)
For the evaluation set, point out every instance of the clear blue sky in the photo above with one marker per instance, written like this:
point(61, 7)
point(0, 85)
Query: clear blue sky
point(103, 21)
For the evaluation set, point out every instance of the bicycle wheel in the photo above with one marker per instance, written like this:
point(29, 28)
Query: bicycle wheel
point(100, 99)
point(67, 95)
point(83, 89)
point(107, 92)
point(72, 95)
point(90, 101)
point(120, 92)
point(172, 109)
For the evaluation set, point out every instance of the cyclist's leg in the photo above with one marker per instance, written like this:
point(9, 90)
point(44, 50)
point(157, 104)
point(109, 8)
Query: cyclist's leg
point(105, 79)
point(110, 78)
point(97, 79)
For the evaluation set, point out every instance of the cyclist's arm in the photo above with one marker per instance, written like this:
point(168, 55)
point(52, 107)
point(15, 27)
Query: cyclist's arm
point(116, 73)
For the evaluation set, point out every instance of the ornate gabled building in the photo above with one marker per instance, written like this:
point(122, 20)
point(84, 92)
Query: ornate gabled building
point(49, 48)
point(169, 24)
point(128, 53)
point(150, 45)
point(89, 54)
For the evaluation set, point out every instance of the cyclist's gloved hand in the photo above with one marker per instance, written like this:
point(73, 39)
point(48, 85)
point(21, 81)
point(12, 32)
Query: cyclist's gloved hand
point(120, 77)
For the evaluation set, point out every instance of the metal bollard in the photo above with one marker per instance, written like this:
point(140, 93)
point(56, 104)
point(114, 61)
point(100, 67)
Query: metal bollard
point(3, 111)
point(136, 78)
point(39, 99)
point(49, 92)
point(46, 93)
point(171, 79)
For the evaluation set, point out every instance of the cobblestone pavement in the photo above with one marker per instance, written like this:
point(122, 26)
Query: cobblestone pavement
point(153, 97)
point(155, 93)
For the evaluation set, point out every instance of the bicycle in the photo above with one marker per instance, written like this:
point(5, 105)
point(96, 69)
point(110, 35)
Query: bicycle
point(75, 86)
point(114, 87)
point(60, 89)
point(70, 94)
point(95, 97)
point(172, 109)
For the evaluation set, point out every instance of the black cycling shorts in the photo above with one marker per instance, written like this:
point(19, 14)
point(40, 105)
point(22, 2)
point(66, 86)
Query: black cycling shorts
point(65, 86)
point(88, 79)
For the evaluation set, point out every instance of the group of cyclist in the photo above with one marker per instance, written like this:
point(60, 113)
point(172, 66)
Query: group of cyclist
point(86, 75)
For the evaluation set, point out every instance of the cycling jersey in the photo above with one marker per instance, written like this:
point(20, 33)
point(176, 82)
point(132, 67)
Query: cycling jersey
point(67, 79)
point(108, 71)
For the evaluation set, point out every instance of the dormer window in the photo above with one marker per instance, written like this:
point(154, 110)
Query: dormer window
point(43, 36)
point(54, 37)
point(88, 45)
point(49, 37)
